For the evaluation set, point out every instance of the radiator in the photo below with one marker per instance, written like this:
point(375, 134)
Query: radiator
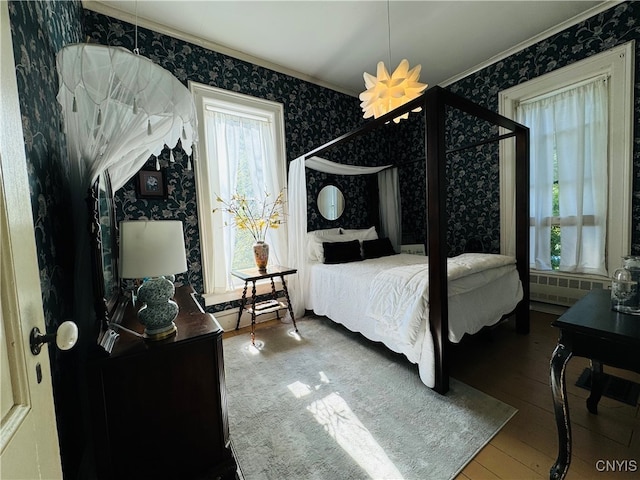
point(559, 289)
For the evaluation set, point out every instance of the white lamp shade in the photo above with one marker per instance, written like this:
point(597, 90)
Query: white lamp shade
point(151, 248)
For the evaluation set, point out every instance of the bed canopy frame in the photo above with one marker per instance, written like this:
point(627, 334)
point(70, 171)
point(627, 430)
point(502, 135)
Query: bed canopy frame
point(434, 103)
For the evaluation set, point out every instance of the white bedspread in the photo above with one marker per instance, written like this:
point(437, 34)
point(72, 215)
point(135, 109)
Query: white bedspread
point(476, 299)
point(399, 296)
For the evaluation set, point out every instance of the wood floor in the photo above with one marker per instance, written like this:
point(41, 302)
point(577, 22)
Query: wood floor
point(515, 369)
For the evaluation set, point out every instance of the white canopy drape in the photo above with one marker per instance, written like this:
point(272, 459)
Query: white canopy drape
point(297, 221)
point(119, 108)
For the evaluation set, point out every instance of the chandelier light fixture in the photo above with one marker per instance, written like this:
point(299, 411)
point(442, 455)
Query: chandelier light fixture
point(385, 92)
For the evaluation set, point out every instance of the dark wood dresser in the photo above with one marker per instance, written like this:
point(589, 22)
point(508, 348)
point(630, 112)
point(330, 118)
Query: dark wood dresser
point(159, 408)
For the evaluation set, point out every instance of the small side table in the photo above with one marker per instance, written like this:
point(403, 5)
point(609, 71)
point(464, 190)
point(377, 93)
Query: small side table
point(589, 329)
point(253, 275)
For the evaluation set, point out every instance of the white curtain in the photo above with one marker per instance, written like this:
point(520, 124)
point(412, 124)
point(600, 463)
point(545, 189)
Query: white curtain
point(390, 213)
point(297, 220)
point(222, 143)
point(571, 125)
point(231, 138)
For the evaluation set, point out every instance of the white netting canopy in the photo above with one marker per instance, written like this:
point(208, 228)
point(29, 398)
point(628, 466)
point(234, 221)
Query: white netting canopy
point(119, 109)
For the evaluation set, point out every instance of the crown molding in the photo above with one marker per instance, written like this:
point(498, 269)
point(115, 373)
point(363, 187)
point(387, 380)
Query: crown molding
point(101, 8)
point(604, 6)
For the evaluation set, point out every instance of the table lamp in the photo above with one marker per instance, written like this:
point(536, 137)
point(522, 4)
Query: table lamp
point(153, 250)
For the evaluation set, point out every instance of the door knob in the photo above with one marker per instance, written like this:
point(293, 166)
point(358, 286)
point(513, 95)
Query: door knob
point(66, 337)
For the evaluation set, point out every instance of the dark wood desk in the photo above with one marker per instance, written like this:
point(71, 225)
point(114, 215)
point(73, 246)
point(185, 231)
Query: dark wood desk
point(589, 329)
point(253, 275)
point(160, 408)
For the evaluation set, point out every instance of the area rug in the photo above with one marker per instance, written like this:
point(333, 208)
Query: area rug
point(329, 404)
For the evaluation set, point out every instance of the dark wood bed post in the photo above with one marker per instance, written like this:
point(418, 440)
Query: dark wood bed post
point(436, 183)
point(435, 101)
point(522, 225)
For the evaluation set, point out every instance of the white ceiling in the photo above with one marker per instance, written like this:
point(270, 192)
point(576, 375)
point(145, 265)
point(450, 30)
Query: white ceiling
point(333, 42)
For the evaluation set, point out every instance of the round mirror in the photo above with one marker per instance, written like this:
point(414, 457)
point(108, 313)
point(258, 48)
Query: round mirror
point(331, 202)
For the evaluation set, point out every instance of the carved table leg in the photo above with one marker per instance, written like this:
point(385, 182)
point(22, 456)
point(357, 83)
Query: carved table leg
point(561, 356)
point(597, 386)
point(253, 314)
point(243, 302)
point(286, 296)
point(274, 295)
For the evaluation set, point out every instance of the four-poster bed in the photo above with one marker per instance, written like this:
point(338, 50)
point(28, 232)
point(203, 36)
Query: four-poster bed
point(434, 103)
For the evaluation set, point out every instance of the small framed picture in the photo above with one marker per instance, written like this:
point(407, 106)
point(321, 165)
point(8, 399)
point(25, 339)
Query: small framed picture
point(151, 184)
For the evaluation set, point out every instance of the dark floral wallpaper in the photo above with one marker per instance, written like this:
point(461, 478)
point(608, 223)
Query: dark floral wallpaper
point(39, 30)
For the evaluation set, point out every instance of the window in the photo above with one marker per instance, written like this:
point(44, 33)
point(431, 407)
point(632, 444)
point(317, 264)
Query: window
point(568, 182)
point(240, 150)
point(574, 231)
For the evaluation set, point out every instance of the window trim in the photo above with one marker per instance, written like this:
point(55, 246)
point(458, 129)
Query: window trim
point(618, 64)
point(204, 94)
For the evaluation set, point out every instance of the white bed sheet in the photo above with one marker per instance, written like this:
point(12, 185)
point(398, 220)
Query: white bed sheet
point(341, 292)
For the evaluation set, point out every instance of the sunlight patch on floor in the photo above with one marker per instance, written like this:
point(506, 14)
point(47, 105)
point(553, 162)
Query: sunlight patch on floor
point(295, 335)
point(333, 413)
point(254, 348)
point(323, 377)
point(300, 389)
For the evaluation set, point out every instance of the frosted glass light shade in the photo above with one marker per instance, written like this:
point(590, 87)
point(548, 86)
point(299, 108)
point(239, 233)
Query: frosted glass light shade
point(386, 92)
point(151, 248)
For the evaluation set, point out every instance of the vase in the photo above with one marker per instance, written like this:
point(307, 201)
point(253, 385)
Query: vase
point(261, 255)
point(625, 295)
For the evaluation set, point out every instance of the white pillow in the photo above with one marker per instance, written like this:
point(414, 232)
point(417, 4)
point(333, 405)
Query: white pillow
point(362, 234)
point(314, 242)
point(326, 231)
point(315, 252)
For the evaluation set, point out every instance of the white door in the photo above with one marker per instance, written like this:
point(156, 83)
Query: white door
point(28, 435)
